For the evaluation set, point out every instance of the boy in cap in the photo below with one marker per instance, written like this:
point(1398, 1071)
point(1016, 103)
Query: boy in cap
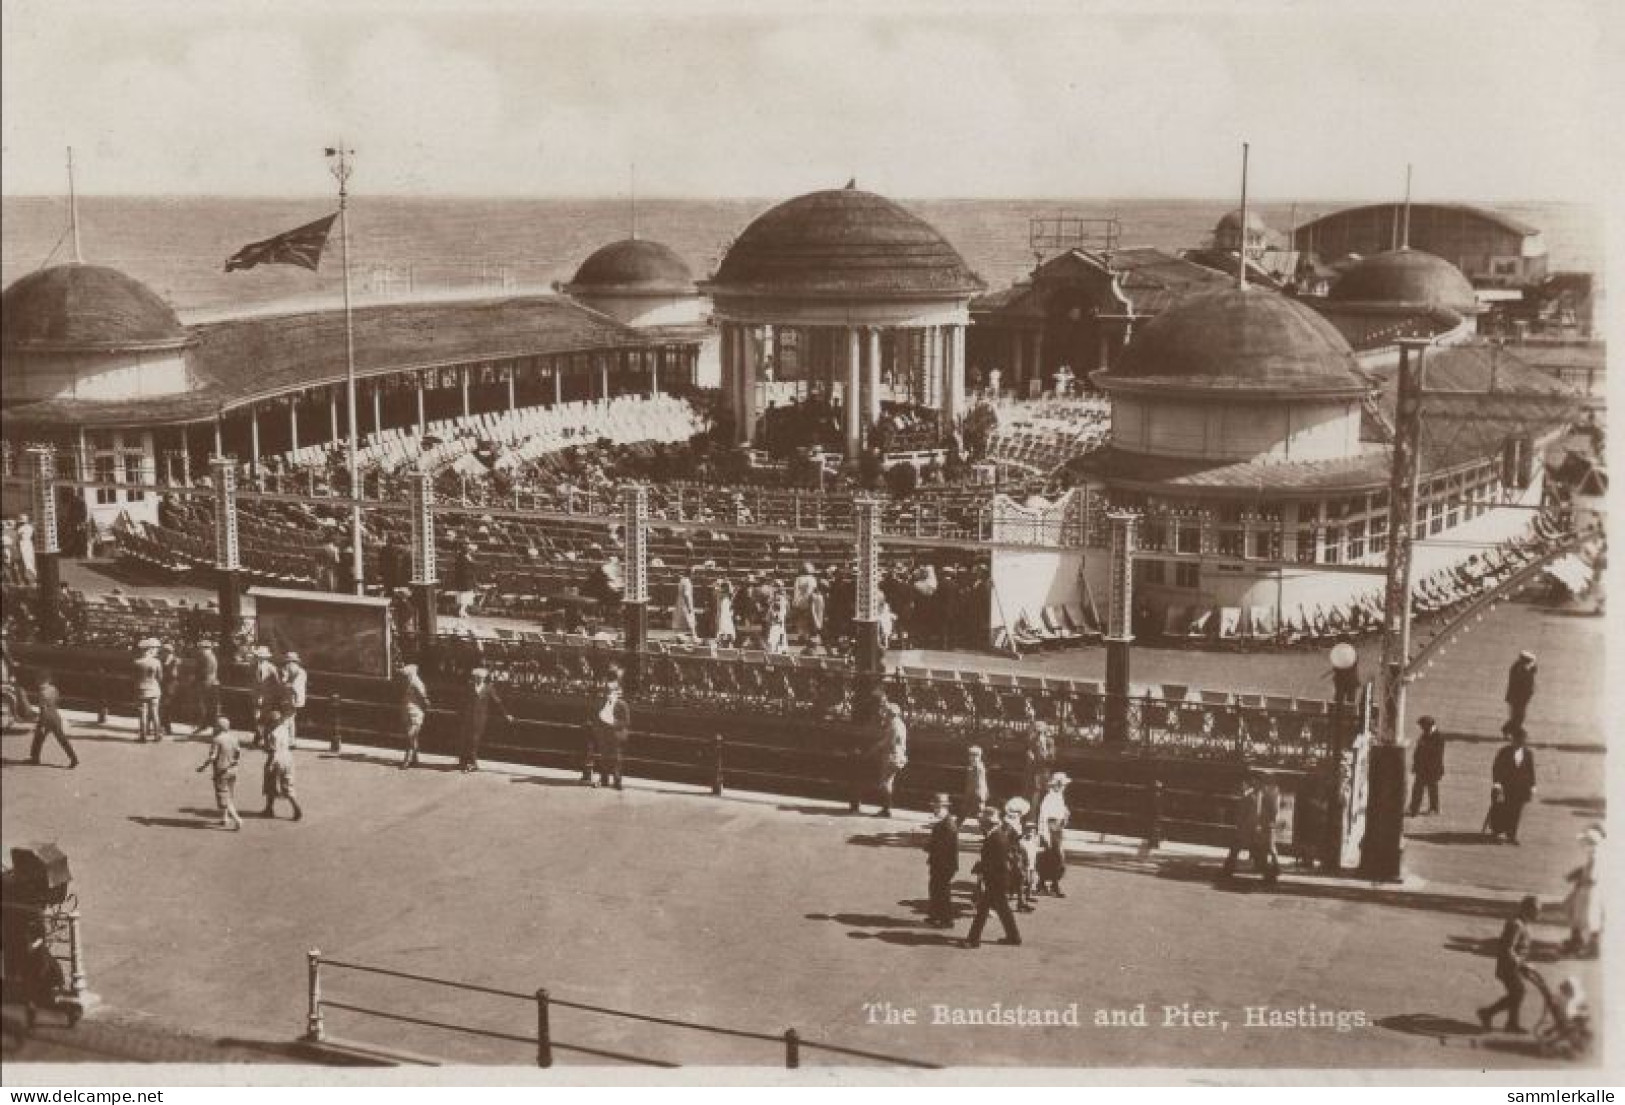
point(1427, 766)
point(169, 686)
point(278, 780)
point(224, 755)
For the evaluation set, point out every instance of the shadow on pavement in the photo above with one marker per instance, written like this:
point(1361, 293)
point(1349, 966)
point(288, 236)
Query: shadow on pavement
point(211, 823)
point(1540, 951)
point(938, 939)
point(868, 920)
point(1431, 1024)
point(1452, 837)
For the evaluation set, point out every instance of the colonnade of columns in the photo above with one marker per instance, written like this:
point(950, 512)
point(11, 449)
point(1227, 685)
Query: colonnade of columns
point(928, 360)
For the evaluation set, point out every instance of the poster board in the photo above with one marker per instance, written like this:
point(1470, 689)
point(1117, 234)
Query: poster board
point(339, 634)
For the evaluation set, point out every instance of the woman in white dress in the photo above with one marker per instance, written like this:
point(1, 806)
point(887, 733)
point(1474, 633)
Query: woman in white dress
point(683, 621)
point(726, 633)
point(778, 616)
point(1585, 900)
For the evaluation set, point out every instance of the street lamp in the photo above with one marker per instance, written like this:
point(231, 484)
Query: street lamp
point(1345, 660)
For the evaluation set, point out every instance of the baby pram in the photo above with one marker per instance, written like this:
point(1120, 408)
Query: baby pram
point(1564, 1027)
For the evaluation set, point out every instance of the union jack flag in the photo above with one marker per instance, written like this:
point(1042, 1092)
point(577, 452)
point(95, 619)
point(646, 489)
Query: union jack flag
point(302, 246)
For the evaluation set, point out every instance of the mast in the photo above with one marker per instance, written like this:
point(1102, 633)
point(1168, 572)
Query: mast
point(1405, 234)
point(634, 178)
point(73, 211)
point(1241, 253)
point(341, 172)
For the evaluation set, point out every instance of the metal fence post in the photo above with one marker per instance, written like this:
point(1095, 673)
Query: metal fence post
point(1153, 833)
point(76, 957)
point(313, 1017)
point(716, 764)
point(792, 1049)
point(544, 1030)
point(335, 740)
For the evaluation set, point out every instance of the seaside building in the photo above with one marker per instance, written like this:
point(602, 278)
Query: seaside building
point(855, 296)
point(1493, 250)
point(1255, 444)
point(98, 365)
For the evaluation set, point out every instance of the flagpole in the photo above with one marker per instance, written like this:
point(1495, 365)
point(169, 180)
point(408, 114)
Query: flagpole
point(341, 172)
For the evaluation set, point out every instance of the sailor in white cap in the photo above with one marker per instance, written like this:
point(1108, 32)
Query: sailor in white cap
point(294, 681)
point(149, 675)
point(267, 692)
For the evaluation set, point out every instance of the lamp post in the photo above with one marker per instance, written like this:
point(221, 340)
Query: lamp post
point(47, 558)
point(227, 554)
point(425, 582)
point(635, 592)
point(1345, 674)
point(1120, 623)
point(867, 655)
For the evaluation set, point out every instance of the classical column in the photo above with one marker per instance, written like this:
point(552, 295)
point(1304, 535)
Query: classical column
point(425, 581)
point(1038, 361)
point(953, 384)
point(871, 379)
point(332, 418)
point(377, 407)
point(513, 386)
point(854, 412)
point(1120, 624)
point(558, 382)
point(48, 549)
point(423, 413)
point(1012, 369)
point(293, 424)
point(654, 371)
point(603, 379)
point(219, 438)
point(747, 385)
point(462, 380)
point(635, 595)
point(227, 558)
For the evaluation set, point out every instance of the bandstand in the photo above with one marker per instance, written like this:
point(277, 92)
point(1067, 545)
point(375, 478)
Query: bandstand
point(857, 300)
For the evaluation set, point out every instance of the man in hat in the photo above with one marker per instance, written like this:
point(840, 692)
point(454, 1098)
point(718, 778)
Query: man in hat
point(225, 753)
point(941, 863)
point(483, 700)
point(207, 674)
point(606, 739)
point(1427, 765)
point(1520, 689)
point(414, 709)
point(1514, 772)
point(294, 681)
point(891, 751)
point(48, 723)
point(267, 692)
point(1256, 810)
point(993, 893)
point(1512, 965)
point(169, 686)
point(149, 675)
point(278, 776)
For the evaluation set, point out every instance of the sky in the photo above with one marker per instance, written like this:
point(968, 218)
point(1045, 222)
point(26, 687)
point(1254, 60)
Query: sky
point(1490, 101)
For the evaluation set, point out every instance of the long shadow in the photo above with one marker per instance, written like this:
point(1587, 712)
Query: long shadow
point(831, 810)
point(1592, 805)
point(1452, 837)
point(867, 920)
point(177, 823)
point(936, 939)
point(1438, 1027)
point(1198, 870)
point(547, 781)
point(1485, 947)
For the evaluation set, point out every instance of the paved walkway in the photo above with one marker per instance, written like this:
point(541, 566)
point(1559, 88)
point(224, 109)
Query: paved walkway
point(747, 912)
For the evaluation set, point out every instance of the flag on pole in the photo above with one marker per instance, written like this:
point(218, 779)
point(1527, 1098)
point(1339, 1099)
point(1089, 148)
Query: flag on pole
point(302, 246)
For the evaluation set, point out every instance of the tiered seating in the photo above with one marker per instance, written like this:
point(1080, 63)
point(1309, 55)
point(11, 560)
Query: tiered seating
point(1041, 437)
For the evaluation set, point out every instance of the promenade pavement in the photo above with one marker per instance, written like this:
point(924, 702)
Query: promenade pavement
point(749, 912)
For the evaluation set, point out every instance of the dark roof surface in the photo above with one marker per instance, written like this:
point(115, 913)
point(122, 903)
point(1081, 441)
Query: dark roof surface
point(1406, 278)
point(634, 265)
point(193, 406)
point(1154, 280)
point(1175, 475)
point(71, 308)
point(1505, 222)
point(1238, 339)
point(843, 242)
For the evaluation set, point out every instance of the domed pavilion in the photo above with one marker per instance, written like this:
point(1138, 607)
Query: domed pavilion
point(1256, 448)
point(1401, 292)
point(638, 282)
point(851, 293)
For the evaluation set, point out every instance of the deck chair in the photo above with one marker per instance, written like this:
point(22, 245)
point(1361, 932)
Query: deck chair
point(1261, 624)
point(1057, 623)
point(1230, 623)
point(1200, 625)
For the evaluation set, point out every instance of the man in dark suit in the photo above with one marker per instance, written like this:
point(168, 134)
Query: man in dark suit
point(1514, 773)
point(1427, 765)
point(1511, 965)
point(942, 863)
point(1520, 689)
point(606, 740)
point(994, 893)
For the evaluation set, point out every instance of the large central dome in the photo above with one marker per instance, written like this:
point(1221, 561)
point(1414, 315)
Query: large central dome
point(843, 242)
point(1239, 340)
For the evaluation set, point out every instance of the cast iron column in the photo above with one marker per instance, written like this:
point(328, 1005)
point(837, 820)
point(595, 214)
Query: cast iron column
point(1120, 624)
point(425, 585)
point(48, 549)
point(1382, 851)
point(227, 555)
point(868, 658)
point(635, 595)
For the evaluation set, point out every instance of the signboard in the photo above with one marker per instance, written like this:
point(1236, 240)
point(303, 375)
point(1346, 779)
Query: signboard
point(1353, 776)
point(343, 634)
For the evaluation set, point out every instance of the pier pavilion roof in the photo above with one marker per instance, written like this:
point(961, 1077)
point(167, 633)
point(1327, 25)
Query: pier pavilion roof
point(78, 308)
point(1405, 278)
point(633, 266)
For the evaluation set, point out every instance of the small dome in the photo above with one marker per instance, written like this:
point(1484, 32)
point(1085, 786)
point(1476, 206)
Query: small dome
point(844, 242)
point(634, 265)
point(1238, 339)
point(1406, 277)
point(1232, 220)
point(86, 308)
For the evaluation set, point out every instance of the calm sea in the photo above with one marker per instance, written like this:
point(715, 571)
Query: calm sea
point(178, 246)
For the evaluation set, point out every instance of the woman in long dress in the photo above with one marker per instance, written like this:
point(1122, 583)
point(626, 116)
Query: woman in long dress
point(1585, 900)
point(683, 620)
point(726, 633)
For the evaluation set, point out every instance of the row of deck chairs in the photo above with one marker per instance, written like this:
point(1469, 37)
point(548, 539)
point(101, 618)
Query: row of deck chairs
point(1055, 626)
